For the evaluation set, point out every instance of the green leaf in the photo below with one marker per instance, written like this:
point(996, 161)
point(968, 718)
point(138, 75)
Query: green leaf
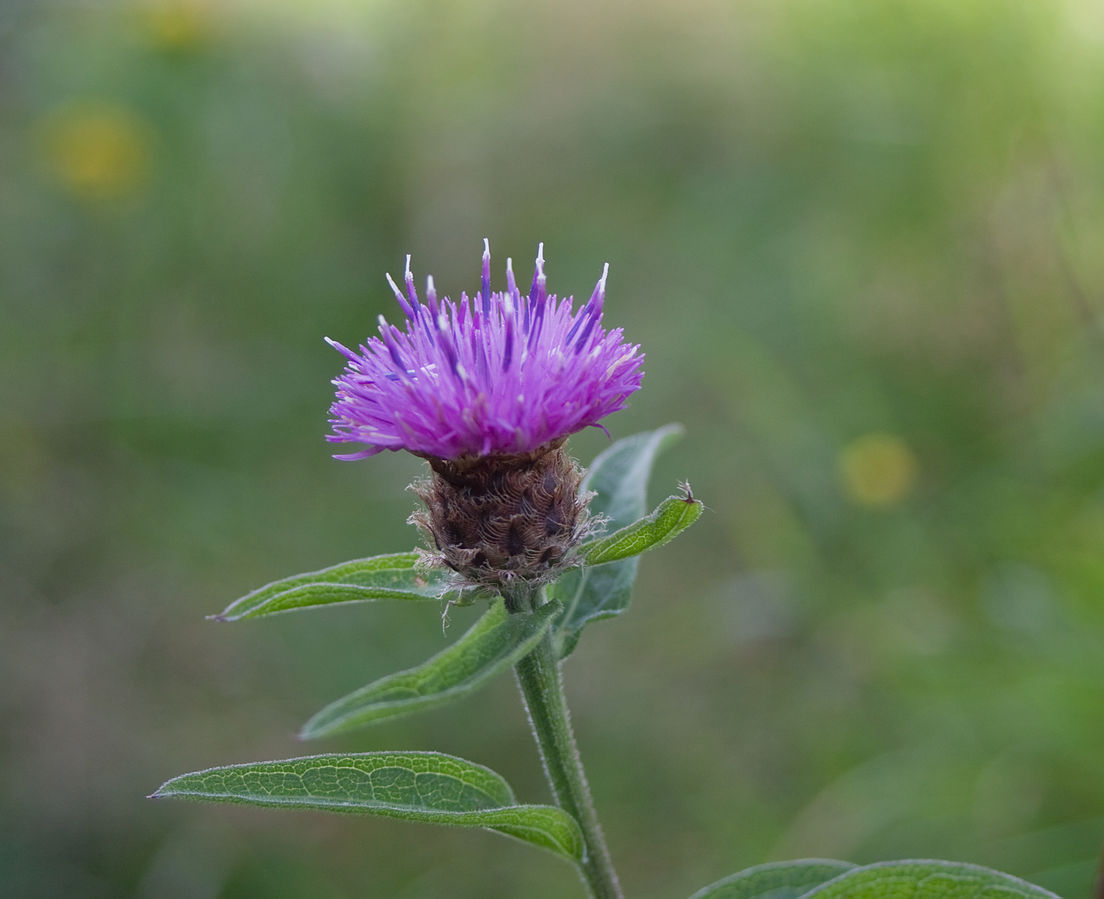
point(619, 477)
point(926, 879)
point(777, 880)
point(669, 519)
point(494, 643)
point(395, 576)
point(415, 786)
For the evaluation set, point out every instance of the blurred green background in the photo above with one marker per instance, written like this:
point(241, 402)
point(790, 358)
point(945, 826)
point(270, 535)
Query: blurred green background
point(861, 246)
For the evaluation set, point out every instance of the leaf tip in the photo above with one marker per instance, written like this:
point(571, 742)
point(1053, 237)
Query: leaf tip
point(309, 732)
point(220, 616)
point(673, 430)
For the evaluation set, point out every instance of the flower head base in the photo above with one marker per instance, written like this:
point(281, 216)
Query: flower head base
point(501, 373)
point(497, 519)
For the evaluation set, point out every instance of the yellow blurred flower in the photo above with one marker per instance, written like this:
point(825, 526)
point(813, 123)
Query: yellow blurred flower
point(99, 151)
point(877, 469)
point(177, 25)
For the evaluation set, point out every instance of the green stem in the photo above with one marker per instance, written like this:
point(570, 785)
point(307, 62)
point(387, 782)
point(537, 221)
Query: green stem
point(538, 676)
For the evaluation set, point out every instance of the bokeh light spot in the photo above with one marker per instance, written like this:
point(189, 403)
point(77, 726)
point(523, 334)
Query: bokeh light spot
point(178, 25)
point(877, 470)
point(98, 151)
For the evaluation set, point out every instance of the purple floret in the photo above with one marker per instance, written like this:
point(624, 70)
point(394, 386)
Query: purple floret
point(504, 373)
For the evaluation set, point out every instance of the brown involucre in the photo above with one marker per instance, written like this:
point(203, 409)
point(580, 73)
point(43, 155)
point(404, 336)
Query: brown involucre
point(498, 518)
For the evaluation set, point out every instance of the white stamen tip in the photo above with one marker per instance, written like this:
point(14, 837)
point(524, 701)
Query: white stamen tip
point(394, 286)
point(429, 283)
point(407, 274)
point(602, 280)
point(509, 265)
point(486, 248)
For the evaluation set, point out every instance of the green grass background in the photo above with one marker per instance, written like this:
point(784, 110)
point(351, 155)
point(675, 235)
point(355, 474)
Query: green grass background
point(824, 220)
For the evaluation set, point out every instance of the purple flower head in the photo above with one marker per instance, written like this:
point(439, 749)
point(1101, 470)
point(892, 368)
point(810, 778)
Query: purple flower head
point(501, 373)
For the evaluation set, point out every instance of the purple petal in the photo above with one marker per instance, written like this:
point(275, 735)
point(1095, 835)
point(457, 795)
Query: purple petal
point(461, 379)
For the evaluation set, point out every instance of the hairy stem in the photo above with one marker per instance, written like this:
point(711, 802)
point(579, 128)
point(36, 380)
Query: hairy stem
point(538, 676)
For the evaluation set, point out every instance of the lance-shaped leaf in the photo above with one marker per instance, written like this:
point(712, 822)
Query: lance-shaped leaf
point(619, 477)
point(395, 576)
point(776, 880)
point(416, 786)
point(494, 643)
point(669, 519)
point(926, 879)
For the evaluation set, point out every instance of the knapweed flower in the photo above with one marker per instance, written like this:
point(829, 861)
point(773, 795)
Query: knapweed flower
point(487, 389)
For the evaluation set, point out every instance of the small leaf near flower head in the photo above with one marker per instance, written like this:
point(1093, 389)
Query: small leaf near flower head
point(494, 643)
point(394, 576)
point(669, 519)
point(619, 478)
